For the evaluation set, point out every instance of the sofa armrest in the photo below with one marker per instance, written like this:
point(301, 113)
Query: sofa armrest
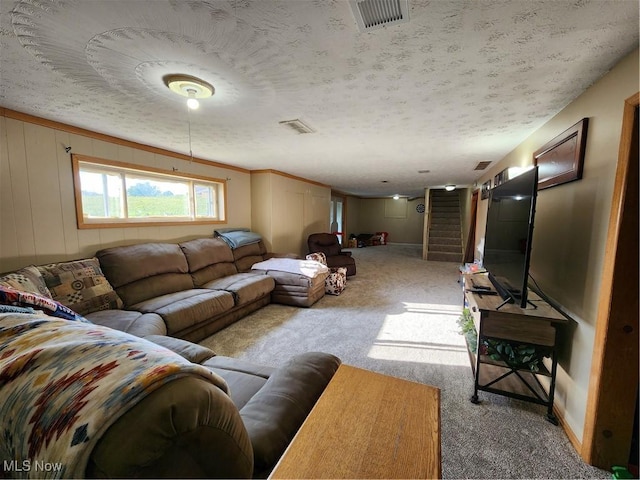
point(186, 428)
point(274, 414)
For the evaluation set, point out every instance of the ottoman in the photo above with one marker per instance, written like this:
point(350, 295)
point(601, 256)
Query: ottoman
point(298, 282)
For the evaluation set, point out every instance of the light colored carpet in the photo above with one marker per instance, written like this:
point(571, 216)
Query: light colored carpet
point(397, 316)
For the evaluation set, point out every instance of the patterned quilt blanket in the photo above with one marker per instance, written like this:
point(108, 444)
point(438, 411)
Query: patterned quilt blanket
point(64, 382)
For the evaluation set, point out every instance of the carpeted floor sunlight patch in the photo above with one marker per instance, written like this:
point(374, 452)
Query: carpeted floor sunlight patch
point(397, 316)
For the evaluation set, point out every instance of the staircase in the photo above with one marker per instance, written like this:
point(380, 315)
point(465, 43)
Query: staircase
point(445, 239)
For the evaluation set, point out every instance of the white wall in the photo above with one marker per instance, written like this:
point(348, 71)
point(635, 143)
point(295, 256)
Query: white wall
point(571, 225)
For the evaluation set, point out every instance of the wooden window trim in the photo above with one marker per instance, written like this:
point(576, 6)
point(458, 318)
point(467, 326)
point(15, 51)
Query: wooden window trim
point(117, 222)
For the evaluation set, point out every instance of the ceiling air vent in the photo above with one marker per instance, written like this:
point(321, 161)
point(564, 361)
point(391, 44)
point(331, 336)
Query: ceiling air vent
point(297, 125)
point(372, 14)
point(482, 165)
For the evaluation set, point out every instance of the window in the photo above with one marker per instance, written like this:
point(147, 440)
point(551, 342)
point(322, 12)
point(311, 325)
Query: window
point(116, 194)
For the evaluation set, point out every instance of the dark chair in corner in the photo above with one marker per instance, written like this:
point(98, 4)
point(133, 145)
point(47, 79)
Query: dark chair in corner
point(328, 244)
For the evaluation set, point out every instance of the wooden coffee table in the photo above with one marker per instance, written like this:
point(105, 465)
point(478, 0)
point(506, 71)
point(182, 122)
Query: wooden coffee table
point(367, 425)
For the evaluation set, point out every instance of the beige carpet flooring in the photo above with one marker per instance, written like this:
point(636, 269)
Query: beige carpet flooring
point(397, 316)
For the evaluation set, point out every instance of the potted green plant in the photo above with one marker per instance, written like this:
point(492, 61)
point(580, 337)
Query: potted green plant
point(468, 329)
point(513, 354)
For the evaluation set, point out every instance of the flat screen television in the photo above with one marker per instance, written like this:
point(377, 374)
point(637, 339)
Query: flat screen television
point(507, 248)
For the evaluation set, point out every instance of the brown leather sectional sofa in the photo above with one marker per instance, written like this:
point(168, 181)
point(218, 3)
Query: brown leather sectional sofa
point(168, 294)
point(189, 428)
point(195, 288)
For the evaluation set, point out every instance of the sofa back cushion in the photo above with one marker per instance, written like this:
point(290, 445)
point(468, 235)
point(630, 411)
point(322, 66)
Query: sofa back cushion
point(247, 255)
point(144, 271)
point(208, 259)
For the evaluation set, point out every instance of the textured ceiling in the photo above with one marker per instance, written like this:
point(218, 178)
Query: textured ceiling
point(461, 82)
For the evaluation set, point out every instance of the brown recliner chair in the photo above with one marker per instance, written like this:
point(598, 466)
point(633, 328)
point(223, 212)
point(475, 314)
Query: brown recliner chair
point(328, 244)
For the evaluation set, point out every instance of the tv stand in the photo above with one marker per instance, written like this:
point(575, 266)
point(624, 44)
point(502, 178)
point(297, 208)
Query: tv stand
point(505, 323)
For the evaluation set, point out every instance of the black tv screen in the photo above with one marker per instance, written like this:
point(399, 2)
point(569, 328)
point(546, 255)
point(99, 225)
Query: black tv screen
point(507, 248)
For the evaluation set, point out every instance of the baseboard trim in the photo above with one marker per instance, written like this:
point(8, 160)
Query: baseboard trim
point(573, 439)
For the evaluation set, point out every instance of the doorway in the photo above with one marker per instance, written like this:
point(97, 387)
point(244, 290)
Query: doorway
point(612, 402)
point(336, 217)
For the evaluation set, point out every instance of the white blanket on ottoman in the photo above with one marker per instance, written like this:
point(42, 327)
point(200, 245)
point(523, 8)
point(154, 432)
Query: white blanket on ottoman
point(308, 268)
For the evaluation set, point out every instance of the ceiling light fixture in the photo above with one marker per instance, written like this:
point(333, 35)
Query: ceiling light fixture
point(191, 87)
point(396, 197)
point(192, 102)
point(449, 188)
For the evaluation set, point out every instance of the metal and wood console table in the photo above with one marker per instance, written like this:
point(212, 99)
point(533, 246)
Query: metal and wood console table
point(512, 327)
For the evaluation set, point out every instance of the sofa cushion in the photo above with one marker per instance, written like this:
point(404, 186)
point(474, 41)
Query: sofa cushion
point(191, 351)
point(144, 271)
point(245, 287)
point(221, 362)
point(187, 308)
point(129, 321)
point(27, 279)
point(247, 255)
point(80, 285)
point(242, 386)
point(124, 265)
point(155, 286)
point(208, 259)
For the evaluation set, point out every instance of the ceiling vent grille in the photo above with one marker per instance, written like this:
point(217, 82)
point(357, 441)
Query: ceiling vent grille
point(482, 165)
point(372, 14)
point(297, 125)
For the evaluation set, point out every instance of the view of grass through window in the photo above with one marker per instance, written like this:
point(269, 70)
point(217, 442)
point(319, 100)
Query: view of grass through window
point(112, 193)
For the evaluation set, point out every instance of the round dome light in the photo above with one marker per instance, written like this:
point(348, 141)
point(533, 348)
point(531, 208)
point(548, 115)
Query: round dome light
point(190, 87)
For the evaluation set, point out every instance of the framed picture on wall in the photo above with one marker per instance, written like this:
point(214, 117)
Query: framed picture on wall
point(500, 178)
point(484, 192)
point(561, 159)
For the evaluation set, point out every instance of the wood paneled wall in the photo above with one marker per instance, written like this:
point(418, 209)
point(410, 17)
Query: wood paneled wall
point(287, 209)
point(37, 208)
